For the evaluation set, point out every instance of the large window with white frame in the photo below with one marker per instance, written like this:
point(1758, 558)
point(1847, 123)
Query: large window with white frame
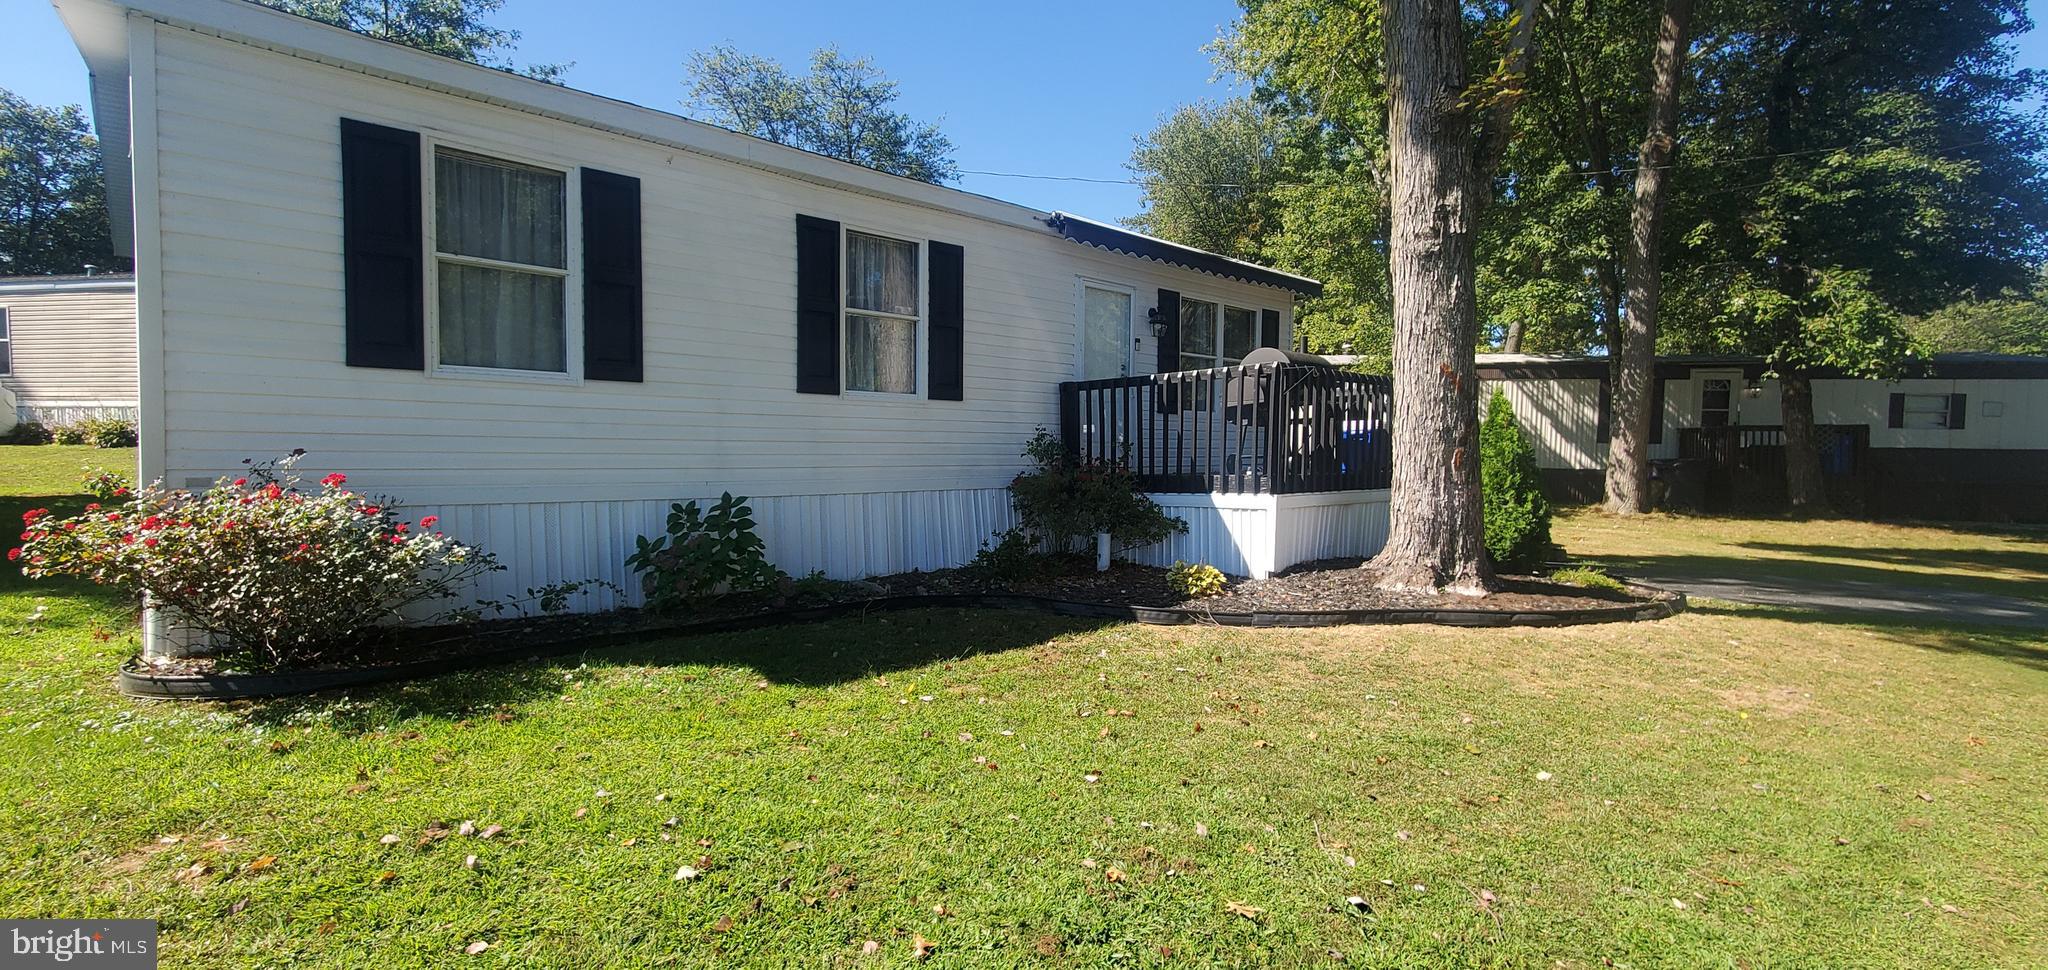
point(883, 313)
point(1926, 411)
point(1215, 334)
point(500, 238)
point(6, 343)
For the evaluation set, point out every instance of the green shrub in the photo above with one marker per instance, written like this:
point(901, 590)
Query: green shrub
point(1065, 501)
point(1587, 578)
point(1014, 555)
point(68, 434)
point(1195, 581)
point(108, 432)
point(26, 433)
point(104, 485)
point(704, 555)
point(1517, 516)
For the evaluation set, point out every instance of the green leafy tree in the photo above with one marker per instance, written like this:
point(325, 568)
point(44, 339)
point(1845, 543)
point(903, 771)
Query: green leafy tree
point(2011, 323)
point(451, 28)
point(53, 198)
point(1209, 174)
point(1845, 164)
point(841, 108)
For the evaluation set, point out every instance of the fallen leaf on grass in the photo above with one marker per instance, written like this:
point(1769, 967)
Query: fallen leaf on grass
point(490, 831)
point(870, 948)
point(1201, 831)
point(466, 829)
point(386, 876)
point(686, 874)
point(724, 925)
point(1245, 910)
point(475, 948)
point(469, 863)
point(261, 863)
point(1113, 874)
point(391, 839)
point(921, 948)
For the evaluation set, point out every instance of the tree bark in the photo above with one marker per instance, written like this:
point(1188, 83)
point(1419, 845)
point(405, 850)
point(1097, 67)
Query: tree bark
point(1635, 354)
point(1511, 343)
point(1805, 491)
point(1436, 535)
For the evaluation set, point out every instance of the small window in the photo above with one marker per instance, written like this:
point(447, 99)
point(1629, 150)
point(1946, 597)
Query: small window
point(6, 344)
point(1717, 402)
point(1926, 411)
point(1240, 333)
point(1215, 335)
point(882, 314)
point(501, 260)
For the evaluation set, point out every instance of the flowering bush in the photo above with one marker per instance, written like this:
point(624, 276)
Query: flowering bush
point(1066, 501)
point(283, 575)
point(104, 485)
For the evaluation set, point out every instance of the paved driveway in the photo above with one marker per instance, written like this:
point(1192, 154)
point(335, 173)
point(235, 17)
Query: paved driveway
point(1918, 603)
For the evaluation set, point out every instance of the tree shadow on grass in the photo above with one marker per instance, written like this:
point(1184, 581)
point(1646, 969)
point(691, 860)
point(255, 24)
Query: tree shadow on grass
point(817, 654)
point(1876, 581)
point(1964, 560)
point(2016, 645)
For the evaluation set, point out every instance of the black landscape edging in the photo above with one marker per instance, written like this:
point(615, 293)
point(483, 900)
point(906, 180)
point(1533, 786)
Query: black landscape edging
point(136, 682)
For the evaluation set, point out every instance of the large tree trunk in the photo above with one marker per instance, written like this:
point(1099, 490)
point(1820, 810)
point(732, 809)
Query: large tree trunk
point(1805, 491)
point(1436, 536)
point(1635, 354)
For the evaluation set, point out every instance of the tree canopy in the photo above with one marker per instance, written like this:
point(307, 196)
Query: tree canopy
point(841, 108)
point(53, 200)
point(451, 28)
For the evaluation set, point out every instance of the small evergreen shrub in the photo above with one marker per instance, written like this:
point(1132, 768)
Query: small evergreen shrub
point(1195, 581)
point(1516, 513)
point(68, 434)
point(704, 555)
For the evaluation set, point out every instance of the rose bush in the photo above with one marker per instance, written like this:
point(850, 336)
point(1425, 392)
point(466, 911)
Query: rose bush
point(284, 576)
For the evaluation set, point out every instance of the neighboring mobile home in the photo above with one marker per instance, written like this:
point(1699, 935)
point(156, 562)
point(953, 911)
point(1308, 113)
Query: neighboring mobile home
point(1964, 437)
point(67, 346)
point(545, 315)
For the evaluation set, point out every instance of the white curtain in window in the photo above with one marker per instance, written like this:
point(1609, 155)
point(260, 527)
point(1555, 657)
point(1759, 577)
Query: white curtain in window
point(881, 354)
point(1105, 333)
point(499, 318)
point(881, 274)
point(497, 210)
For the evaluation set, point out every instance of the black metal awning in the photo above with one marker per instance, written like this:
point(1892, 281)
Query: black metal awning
point(1103, 236)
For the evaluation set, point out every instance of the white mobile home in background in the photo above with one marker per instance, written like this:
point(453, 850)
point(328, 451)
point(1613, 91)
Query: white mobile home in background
point(67, 346)
point(1964, 437)
point(545, 315)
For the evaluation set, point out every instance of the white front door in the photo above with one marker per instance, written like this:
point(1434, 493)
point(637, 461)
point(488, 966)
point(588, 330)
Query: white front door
point(1720, 403)
point(1105, 331)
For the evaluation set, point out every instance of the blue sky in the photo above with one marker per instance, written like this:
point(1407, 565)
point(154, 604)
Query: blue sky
point(1046, 87)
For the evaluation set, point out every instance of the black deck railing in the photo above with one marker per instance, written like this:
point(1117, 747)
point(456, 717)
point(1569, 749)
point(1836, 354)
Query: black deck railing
point(1263, 429)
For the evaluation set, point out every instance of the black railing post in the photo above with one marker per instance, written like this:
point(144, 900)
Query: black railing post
point(1070, 419)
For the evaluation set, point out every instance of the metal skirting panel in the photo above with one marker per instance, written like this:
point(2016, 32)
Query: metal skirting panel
point(843, 536)
point(1235, 537)
point(1341, 527)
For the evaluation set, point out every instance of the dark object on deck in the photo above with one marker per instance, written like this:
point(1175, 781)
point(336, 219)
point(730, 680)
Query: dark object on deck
point(1287, 426)
point(1745, 466)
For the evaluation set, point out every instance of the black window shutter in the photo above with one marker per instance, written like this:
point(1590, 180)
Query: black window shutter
point(1169, 338)
point(1897, 419)
point(817, 305)
point(1657, 411)
point(1269, 328)
point(382, 255)
point(1958, 411)
point(1167, 399)
point(611, 277)
point(949, 323)
point(1605, 422)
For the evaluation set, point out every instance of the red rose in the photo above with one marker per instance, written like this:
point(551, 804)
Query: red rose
point(334, 480)
point(153, 522)
point(92, 506)
point(397, 540)
point(273, 490)
point(401, 527)
point(120, 492)
point(13, 554)
point(428, 522)
point(304, 546)
point(239, 482)
point(371, 510)
point(113, 516)
point(151, 542)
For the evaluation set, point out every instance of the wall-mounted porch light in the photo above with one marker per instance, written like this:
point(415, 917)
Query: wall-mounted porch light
point(1753, 389)
point(1158, 322)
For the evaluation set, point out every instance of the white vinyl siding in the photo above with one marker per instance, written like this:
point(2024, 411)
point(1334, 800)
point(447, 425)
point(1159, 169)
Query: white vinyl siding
point(252, 323)
point(70, 348)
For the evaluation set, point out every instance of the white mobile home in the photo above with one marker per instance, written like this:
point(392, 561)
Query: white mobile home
point(545, 315)
point(67, 346)
point(1965, 436)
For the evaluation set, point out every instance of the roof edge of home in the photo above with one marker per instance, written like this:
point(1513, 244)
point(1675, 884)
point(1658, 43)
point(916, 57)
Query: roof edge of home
point(98, 34)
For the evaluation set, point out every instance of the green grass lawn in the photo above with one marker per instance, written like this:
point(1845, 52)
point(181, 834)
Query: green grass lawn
point(56, 469)
point(1725, 788)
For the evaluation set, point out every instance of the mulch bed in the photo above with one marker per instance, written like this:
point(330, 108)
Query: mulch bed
point(1324, 586)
